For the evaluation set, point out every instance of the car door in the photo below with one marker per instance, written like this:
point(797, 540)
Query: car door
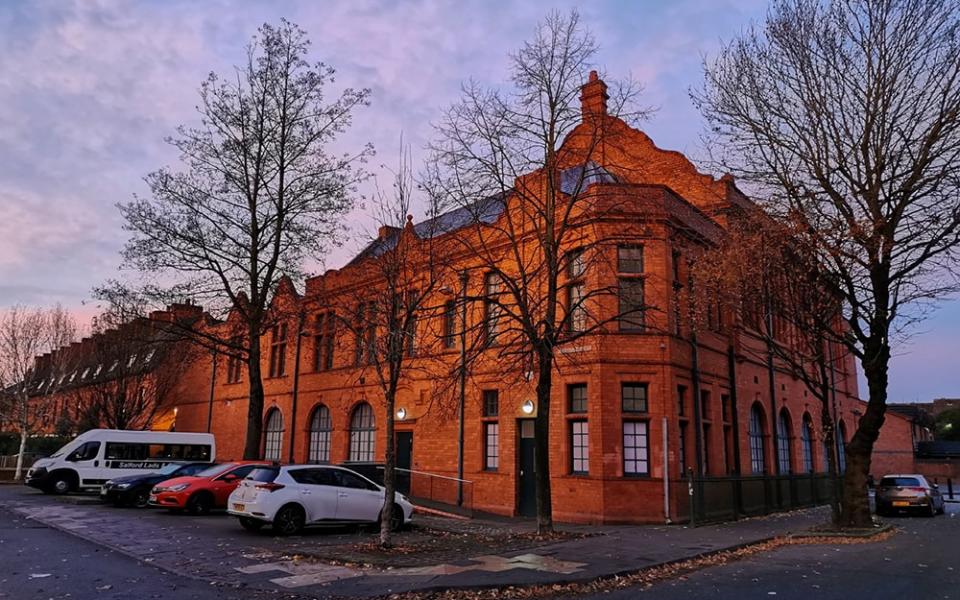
point(357, 499)
point(318, 493)
point(85, 460)
point(225, 483)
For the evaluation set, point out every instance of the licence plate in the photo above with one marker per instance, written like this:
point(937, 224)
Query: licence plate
point(239, 507)
point(901, 503)
point(103, 491)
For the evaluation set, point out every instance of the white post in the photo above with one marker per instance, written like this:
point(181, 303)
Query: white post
point(666, 475)
point(23, 448)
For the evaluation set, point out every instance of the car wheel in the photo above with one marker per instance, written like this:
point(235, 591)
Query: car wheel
point(60, 485)
point(396, 518)
point(289, 520)
point(199, 504)
point(251, 524)
point(141, 498)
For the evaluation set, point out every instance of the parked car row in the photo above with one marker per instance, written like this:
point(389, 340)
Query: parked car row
point(177, 471)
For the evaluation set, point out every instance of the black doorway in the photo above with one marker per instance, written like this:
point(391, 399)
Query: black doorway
point(526, 469)
point(404, 460)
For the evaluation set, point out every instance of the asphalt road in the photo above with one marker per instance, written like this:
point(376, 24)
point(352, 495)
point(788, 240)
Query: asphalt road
point(37, 563)
point(921, 561)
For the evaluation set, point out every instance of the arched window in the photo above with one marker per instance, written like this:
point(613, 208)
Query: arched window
point(842, 446)
point(806, 443)
point(784, 443)
point(757, 463)
point(273, 435)
point(363, 431)
point(320, 428)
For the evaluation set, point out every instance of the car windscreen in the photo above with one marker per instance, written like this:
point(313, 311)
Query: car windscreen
point(263, 474)
point(215, 470)
point(171, 469)
point(900, 482)
point(184, 470)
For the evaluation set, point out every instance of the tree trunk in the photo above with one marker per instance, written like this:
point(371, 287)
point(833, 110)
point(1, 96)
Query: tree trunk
point(23, 448)
point(541, 459)
point(251, 449)
point(856, 502)
point(389, 477)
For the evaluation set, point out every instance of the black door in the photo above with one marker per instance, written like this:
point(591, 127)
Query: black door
point(404, 460)
point(527, 480)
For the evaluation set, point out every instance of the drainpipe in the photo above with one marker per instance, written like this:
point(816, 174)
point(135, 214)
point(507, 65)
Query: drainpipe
point(463, 383)
point(734, 415)
point(666, 474)
point(296, 385)
point(213, 382)
point(773, 395)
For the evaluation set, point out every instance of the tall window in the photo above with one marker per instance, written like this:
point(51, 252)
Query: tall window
point(635, 448)
point(681, 400)
point(450, 324)
point(491, 430)
point(491, 445)
point(633, 397)
point(363, 433)
point(576, 269)
point(410, 327)
point(278, 350)
point(323, 342)
point(320, 427)
point(577, 394)
point(630, 269)
point(360, 329)
point(784, 442)
point(273, 435)
point(491, 310)
point(755, 433)
point(579, 447)
point(234, 364)
point(575, 304)
point(806, 443)
point(682, 448)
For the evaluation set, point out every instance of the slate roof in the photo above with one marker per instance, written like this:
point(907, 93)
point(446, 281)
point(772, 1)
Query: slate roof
point(485, 211)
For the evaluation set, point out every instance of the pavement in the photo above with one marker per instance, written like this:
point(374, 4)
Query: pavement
point(438, 554)
point(917, 562)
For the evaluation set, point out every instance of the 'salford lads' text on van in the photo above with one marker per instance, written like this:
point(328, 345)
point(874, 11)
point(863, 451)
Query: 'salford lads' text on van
point(97, 455)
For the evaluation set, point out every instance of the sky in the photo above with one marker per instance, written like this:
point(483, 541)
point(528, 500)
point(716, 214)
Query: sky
point(89, 90)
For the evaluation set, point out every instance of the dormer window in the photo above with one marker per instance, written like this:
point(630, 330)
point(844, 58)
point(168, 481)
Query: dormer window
point(85, 373)
point(113, 366)
point(73, 376)
point(149, 356)
point(131, 360)
point(98, 370)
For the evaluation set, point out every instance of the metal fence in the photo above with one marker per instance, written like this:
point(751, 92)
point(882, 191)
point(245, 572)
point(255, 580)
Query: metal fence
point(10, 462)
point(712, 499)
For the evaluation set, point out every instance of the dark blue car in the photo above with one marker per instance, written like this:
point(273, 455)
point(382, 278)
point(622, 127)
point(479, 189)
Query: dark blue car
point(134, 490)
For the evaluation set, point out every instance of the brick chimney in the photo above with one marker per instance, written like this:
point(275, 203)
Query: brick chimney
point(593, 98)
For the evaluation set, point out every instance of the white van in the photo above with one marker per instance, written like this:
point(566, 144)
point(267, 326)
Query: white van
point(101, 454)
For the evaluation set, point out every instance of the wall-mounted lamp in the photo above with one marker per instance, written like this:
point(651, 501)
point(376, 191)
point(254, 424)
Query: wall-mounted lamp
point(401, 413)
point(527, 407)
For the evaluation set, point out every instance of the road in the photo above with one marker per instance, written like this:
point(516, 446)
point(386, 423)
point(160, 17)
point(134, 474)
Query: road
point(921, 561)
point(40, 562)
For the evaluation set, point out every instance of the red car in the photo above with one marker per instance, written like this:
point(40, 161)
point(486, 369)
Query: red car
point(208, 489)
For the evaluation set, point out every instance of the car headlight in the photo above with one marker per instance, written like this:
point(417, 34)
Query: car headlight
point(179, 487)
point(120, 486)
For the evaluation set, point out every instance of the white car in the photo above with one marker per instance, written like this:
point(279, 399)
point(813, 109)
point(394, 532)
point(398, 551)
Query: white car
point(295, 496)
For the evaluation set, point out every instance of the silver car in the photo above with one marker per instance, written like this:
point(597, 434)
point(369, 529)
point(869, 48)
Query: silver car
point(909, 492)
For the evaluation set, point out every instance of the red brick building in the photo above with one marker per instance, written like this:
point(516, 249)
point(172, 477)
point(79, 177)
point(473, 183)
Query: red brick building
point(623, 426)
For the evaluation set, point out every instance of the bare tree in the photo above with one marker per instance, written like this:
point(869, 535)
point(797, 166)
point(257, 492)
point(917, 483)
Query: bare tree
point(259, 194)
point(845, 115)
point(26, 334)
point(502, 157)
point(770, 275)
point(132, 369)
point(389, 312)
